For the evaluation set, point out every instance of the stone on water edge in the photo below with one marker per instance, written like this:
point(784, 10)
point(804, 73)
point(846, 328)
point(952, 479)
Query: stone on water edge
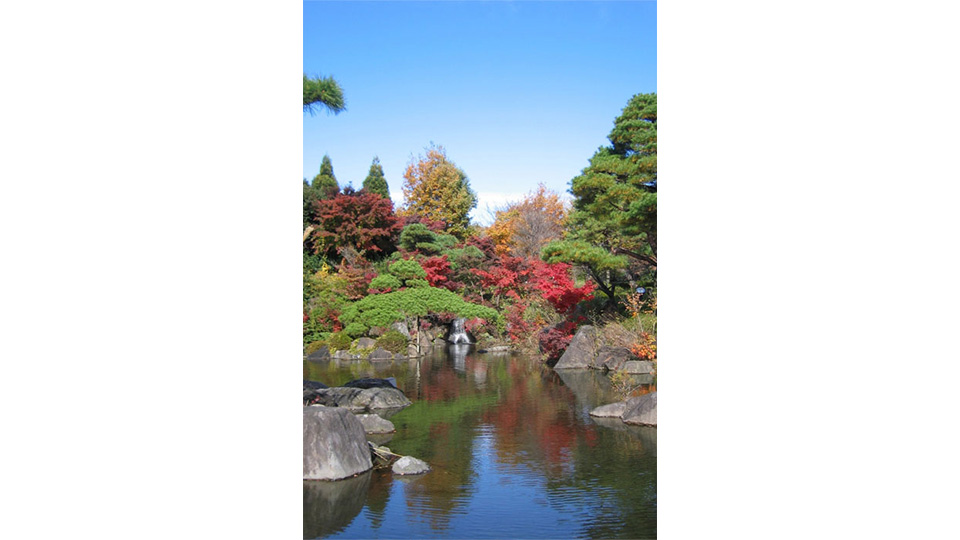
point(334, 444)
point(612, 358)
point(372, 423)
point(380, 354)
point(581, 352)
point(641, 410)
point(409, 465)
point(612, 410)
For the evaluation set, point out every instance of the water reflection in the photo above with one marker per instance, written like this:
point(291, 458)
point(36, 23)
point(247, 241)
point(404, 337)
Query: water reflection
point(513, 453)
point(330, 506)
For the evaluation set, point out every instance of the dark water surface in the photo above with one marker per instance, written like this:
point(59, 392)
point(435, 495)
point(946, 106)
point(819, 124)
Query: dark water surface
point(513, 451)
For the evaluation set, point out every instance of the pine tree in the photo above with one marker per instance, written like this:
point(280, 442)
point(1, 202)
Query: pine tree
point(375, 182)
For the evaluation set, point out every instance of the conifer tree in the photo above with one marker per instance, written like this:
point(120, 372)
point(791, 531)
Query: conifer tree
point(375, 182)
point(325, 184)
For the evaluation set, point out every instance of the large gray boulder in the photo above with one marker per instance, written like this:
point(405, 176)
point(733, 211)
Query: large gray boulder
point(614, 410)
point(372, 423)
point(334, 444)
point(360, 399)
point(402, 328)
point(409, 465)
point(380, 354)
point(641, 411)
point(612, 358)
point(319, 355)
point(582, 350)
point(365, 343)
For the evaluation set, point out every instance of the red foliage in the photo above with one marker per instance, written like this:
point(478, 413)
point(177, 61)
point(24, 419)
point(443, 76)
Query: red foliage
point(438, 227)
point(438, 270)
point(555, 285)
point(554, 340)
point(359, 220)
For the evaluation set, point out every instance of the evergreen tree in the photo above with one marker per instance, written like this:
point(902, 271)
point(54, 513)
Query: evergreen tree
point(325, 184)
point(375, 182)
point(612, 231)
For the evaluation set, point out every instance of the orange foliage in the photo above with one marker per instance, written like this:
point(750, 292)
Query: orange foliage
point(435, 189)
point(522, 228)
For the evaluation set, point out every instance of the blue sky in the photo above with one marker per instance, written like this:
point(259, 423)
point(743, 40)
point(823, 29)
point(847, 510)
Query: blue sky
point(517, 92)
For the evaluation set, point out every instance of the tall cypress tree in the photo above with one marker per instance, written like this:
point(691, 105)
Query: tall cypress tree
point(375, 182)
point(325, 183)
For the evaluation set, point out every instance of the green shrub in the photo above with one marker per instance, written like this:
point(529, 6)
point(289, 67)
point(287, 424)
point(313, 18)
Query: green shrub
point(339, 341)
point(407, 269)
point(417, 283)
point(393, 341)
point(446, 241)
point(384, 309)
point(414, 234)
point(385, 281)
point(355, 330)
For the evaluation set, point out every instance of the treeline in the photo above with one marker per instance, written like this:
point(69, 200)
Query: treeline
point(528, 279)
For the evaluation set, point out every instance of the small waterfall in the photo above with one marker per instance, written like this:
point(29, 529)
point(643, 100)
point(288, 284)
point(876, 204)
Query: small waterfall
point(457, 333)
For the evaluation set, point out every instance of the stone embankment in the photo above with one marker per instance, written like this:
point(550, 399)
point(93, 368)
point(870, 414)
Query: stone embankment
point(587, 350)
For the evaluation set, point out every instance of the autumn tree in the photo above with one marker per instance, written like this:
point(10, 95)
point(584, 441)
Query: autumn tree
point(375, 181)
point(612, 230)
point(364, 222)
point(322, 93)
point(435, 189)
point(523, 228)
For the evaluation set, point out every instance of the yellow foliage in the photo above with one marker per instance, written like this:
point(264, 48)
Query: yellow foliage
point(522, 228)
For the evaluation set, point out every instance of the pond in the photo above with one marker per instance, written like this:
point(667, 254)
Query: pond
point(513, 450)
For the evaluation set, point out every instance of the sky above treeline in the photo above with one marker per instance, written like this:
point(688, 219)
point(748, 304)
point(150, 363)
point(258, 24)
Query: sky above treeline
point(519, 93)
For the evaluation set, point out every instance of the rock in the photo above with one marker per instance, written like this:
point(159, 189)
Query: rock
point(365, 343)
point(637, 367)
point(641, 410)
point(310, 390)
point(334, 444)
point(374, 424)
point(389, 382)
point(611, 410)
point(328, 507)
point(581, 352)
point(384, 438)
point(319, 355)
point(412, 351)
point(612, 358)
point(380, 354)
point(345, 355)
point(401, 327)
point(376, 331)
point(409, 465)
point(313, 385)
point(360, 400)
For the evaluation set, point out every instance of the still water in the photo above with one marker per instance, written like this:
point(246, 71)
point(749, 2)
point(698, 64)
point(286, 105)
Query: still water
point(513, 450)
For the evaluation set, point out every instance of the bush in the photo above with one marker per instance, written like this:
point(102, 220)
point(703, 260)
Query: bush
point(355, 330)
point(339, 341)
point(393, 341)
point(417, 283)
point(414, 233)
point(408, 269)
point(385, 281)
point(384, 309)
